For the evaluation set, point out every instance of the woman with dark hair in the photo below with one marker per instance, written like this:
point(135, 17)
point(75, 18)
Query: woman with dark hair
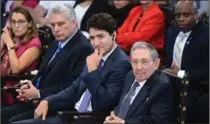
point(20, 46)
point(123, 8)
point(86, 8)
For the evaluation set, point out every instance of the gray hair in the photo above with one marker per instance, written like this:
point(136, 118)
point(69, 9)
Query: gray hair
point(65, 9)
point(144, 45)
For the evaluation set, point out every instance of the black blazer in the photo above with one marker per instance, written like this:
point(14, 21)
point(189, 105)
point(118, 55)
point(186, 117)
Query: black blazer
point(105, 86)
point(195, 58)
point(65, 67)
point(97, 6)
point(121, 14)
point(154, 102)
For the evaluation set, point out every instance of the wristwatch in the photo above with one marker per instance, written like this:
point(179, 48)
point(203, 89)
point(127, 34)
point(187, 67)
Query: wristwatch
point(10, 48)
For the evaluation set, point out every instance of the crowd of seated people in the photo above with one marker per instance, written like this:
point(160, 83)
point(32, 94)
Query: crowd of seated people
point(90, 37)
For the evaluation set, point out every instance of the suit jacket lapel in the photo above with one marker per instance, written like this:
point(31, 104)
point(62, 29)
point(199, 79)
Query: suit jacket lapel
point(142, 95)
point(190, 39)
point(191, 36)
point(110, 60)
point(125, 91)
point(65, 51)
point(58, 57)
point(48, 56)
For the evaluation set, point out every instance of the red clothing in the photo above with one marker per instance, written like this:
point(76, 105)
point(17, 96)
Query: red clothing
point(149, 28)
point(5, 69)
point(28, 3)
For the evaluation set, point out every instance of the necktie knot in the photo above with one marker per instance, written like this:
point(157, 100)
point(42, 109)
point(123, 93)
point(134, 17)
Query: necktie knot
point(182, 35)
point(58, 48)
point(101, 63)
point(136, 84)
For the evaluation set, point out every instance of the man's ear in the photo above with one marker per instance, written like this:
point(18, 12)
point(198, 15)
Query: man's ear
point(157, 63)
point(74, 22)
point(114, 35)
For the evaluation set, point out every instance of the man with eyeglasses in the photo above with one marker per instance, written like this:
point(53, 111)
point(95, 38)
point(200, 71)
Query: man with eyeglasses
point(147, 96)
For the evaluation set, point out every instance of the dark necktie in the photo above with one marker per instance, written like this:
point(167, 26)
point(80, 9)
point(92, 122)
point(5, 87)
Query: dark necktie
point(125, 105)
point(100, 65)
point(59, 48)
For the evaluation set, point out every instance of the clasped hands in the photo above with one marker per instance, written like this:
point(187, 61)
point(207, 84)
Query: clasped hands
point(27, 92)
point(113, 119)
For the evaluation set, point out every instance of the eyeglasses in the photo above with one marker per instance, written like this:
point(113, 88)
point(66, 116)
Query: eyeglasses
point(20, 22)
point(144, 63)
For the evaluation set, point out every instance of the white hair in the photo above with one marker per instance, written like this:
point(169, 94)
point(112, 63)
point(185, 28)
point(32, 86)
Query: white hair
point(145, 45)
point(65, 9)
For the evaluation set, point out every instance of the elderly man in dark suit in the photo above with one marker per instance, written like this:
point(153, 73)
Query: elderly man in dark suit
point(147, 96)
point(187, 50)
point(100, 84)
point(63, 63)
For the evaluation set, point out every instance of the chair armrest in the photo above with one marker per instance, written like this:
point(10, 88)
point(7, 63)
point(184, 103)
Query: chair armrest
point(73, 113)
point(14, 77)
point(85, 117)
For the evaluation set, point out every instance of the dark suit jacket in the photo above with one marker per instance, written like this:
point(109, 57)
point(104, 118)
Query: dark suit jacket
point(105, 86)
point(195, 57)
point(153, 104)
point(97, 6)
point(65, 67)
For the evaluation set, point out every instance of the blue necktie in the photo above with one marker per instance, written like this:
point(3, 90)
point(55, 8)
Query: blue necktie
point(85, 102)
point(125, 105)
point(59, 48)
point(87, 97)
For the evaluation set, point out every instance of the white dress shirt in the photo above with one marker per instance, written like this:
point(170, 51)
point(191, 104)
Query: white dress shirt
point(8, 5)
point(181, 73)
point(105, 57)
point(80, 12)
point(141, 84)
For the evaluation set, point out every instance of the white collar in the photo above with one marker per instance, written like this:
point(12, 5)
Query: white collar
point(141, 83)
point(105, 57)
point(186, 34)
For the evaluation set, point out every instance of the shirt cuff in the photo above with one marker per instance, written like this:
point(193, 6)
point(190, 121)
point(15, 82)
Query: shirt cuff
point(181, 73)
point(38, 94)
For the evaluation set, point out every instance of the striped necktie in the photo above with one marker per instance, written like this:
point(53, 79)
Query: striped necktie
point(177, 58)
point(125, 105)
